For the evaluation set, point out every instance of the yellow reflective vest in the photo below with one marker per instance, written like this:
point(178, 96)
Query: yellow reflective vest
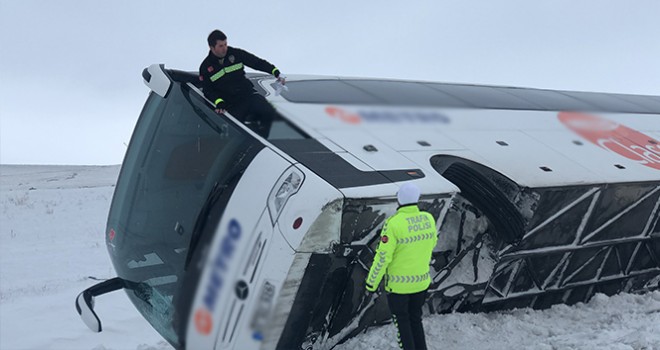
point(404, 252)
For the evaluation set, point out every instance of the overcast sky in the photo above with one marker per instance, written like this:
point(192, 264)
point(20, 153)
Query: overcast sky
point(70, 71)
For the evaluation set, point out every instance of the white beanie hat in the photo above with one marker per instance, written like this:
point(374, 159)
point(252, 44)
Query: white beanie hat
point(408, 194)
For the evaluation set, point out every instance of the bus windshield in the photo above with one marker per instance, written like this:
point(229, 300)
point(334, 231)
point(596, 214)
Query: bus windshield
point(180, 157)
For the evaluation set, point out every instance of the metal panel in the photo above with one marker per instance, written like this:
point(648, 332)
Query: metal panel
point(611, 166)
point(643, 123)
point(432, 181)
point(655, 135)
point(387, 190)
point(354, 141)
point(358, 164)
point(471, 119)
point(333, 147)
point(417, 140)
point(524, 159)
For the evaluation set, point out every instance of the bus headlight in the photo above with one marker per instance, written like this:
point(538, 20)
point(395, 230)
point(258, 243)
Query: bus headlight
point(286, 186)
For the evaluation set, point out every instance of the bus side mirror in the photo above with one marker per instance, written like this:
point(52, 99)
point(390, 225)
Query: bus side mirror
point(85, 301)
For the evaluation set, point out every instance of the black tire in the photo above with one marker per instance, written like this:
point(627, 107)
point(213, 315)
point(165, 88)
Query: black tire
point(482, 193)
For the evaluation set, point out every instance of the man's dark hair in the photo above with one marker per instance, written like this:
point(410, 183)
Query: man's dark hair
point(215, 36)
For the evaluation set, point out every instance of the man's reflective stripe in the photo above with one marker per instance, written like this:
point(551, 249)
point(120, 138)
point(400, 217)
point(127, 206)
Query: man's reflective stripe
point(407, 279)
point(218, 101)
point(398, 334)
point(273, 71)
point(234, 67)
point(226, 70)
point(218, 75)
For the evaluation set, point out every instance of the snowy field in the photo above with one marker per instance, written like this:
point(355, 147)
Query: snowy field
point(52, 247)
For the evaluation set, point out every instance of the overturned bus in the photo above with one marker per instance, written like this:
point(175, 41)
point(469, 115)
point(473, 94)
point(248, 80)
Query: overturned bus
point(223, 239)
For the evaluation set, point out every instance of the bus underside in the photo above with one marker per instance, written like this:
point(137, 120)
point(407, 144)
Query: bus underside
point(501, 246)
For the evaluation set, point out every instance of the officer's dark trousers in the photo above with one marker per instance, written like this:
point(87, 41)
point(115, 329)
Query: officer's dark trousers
point(254, 111)
point(407, 314)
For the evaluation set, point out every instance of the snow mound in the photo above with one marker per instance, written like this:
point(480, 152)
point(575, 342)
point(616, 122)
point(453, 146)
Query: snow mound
point(624, 321)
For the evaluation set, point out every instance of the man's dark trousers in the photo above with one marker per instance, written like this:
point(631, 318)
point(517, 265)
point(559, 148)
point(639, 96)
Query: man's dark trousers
point(407, 313)
point(254, 108)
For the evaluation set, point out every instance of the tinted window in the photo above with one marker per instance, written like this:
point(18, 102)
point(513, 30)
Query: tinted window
point(484, 96)
point(379, 92)
point(606, 102)
point(654, 98)
point(647, 102)
point(406, 93)
point(548, 99)
point(327, 91)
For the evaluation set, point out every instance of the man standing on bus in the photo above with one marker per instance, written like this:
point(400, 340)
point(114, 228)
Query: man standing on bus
point(403, 257)
point(224, 83)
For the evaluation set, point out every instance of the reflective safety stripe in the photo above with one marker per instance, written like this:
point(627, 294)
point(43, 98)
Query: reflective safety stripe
point(273, 71)
point(218, 101)
point(414, 239)
point(234, 67)
point(407, 279)
point(218, 75)
point(398, 333)
point(377, 268)
point(226, 70)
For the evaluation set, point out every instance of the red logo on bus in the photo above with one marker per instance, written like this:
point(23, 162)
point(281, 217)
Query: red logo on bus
point(614, 137)
point(387, 116)
point(347, 117)
point(203, 321)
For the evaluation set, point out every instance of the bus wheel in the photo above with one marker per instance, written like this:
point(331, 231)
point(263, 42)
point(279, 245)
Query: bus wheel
point(482, 193)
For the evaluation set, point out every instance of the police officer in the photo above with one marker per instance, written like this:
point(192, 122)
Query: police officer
point(403, 257)
point(222, 75)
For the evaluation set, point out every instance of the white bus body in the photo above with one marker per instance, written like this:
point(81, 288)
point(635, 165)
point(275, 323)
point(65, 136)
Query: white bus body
point(226, 240)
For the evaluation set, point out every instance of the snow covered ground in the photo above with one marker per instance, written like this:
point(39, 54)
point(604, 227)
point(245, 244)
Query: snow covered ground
point(52, 245)
point(620, 322)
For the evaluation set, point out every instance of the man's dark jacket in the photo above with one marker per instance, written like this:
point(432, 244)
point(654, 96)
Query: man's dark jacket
point(223, 79)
